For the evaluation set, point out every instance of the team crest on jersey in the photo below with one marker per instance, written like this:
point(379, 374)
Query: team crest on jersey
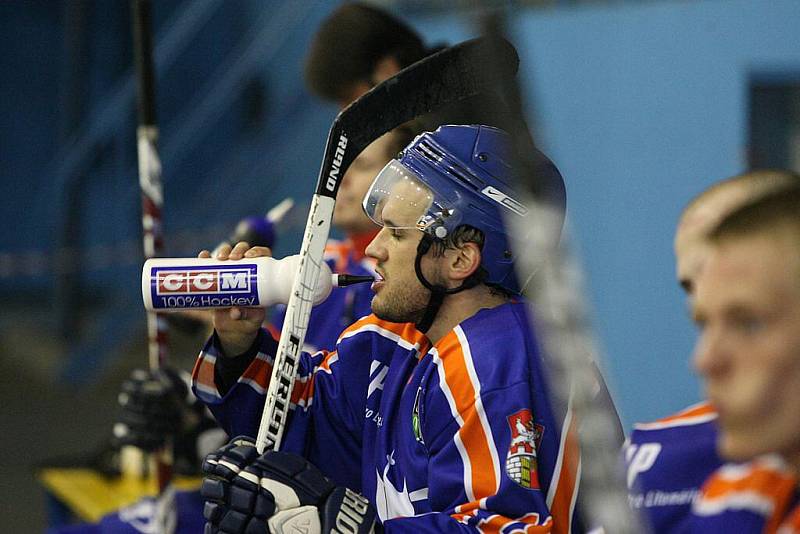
point(526, 436)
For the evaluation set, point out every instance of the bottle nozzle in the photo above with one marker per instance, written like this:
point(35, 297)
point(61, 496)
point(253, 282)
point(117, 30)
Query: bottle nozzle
point(342, 280)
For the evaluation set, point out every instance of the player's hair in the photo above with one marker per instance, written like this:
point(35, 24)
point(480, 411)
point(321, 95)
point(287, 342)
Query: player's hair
point(462, 234)
point(771, 214)
point(757, 183)
point(468, 234)
point(349, 44)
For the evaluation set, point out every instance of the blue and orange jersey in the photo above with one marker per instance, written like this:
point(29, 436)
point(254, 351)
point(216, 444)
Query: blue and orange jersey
point(345, 304)
point(458, 435)
point(756, 496)
point(667, 462)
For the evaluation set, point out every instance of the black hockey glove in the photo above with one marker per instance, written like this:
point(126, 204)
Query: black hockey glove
point(154, 406)
point(276, 492)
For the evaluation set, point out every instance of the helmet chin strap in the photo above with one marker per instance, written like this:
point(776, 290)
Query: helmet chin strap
point(438, 292)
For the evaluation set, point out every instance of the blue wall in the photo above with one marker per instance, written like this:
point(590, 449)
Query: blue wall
point(642, 107)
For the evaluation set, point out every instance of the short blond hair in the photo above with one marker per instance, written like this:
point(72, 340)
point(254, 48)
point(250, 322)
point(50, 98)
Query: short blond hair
point(754, 183)
point(769, 215)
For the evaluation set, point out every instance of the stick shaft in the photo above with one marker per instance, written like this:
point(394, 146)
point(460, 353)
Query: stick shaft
point(149, 161)
point(570, 348)
point(152, 195)
point(298, 311)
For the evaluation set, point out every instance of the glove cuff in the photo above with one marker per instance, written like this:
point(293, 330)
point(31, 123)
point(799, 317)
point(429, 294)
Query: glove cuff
point(303, 519)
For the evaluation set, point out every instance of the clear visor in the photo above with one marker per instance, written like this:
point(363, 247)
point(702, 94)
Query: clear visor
point(399, 199)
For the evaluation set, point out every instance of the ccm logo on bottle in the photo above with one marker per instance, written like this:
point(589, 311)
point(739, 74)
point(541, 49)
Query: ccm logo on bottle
point(235, 280)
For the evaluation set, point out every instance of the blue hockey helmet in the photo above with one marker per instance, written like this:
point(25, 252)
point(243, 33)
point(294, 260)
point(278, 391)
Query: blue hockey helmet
point(457, 175)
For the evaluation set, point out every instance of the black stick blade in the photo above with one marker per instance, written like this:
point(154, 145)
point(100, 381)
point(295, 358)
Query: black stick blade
point(448, 76)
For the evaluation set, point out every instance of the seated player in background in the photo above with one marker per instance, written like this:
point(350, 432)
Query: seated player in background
point(747, 308)
point(440, 431)
point(376, 45)
point(669, 459)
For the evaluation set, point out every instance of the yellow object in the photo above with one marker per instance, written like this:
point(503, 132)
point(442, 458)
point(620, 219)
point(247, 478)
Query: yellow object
point(90, 495)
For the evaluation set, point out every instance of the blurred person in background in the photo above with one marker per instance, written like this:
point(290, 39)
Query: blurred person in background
point(356, 47)
point(376, 46)
point(669, 459)
point(747, 308)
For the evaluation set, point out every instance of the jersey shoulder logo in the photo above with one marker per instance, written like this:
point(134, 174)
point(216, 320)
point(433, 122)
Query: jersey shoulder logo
point(377, 377)
point(641, 458)
point(526, 436)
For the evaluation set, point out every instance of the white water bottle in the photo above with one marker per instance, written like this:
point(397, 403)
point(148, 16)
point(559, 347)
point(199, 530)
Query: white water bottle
point(203, 283)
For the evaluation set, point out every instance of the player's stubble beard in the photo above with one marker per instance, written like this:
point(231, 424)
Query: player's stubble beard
point(403, 302)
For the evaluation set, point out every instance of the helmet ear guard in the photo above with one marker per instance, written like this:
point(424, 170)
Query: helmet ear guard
point(434, 224)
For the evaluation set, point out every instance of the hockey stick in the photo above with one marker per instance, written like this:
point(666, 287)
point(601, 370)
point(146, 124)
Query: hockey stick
point(451, 75)
point(152, 191)
point(569, 344)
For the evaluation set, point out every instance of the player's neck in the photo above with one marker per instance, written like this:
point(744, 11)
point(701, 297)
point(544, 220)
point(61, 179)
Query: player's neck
point(461, 306)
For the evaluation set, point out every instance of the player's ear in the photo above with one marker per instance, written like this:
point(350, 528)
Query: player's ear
point(463, 261)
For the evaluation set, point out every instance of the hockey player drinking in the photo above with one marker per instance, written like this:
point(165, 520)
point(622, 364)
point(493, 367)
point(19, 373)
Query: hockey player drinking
point(434, 408)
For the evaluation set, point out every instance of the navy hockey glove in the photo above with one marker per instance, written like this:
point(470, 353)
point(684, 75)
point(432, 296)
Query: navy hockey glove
point(154, 406)
point(276, 492)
